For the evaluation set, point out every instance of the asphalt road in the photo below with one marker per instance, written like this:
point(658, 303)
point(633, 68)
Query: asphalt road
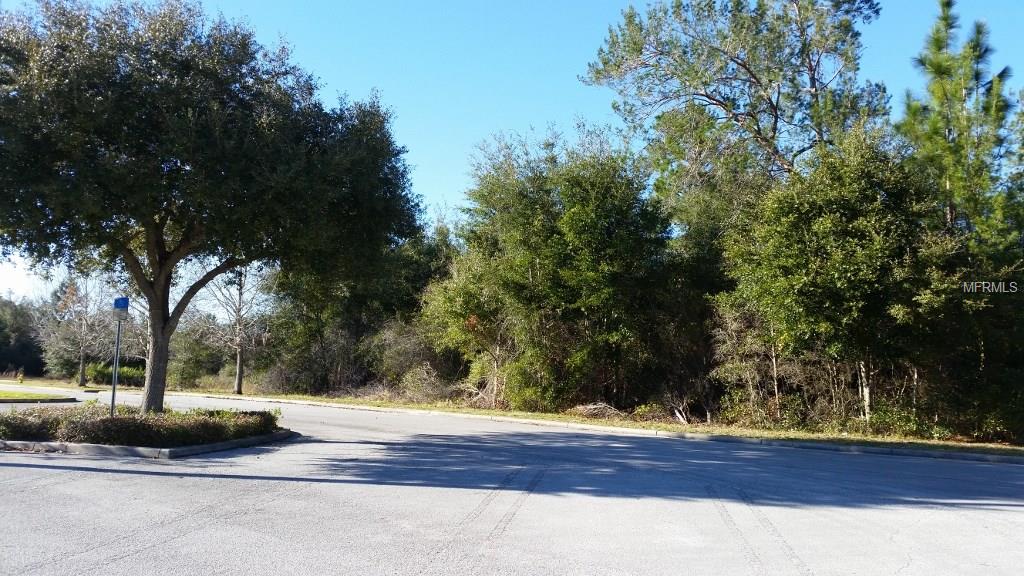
point(367, 493)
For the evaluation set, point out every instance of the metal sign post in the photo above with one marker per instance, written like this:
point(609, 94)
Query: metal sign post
point(120, 314)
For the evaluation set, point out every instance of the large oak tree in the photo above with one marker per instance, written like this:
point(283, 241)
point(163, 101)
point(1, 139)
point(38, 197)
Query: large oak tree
point(150, 140)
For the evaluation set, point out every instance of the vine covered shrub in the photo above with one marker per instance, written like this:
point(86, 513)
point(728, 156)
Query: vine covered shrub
point(127, 375)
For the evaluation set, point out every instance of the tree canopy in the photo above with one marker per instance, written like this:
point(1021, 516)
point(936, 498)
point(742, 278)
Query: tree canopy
point(148, 138)
point(560, 242)
point(779, 77)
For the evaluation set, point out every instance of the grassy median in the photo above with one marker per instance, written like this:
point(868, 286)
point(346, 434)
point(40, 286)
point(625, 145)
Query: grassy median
point(10, 395)
point(91, 423)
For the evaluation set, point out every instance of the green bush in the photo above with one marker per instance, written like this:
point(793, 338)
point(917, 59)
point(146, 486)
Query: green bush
point(650, 412)
point(528, 389)
point(889, 420)
point(98, 373)
point(736, 409)
point(92, 424)
point(792, 413)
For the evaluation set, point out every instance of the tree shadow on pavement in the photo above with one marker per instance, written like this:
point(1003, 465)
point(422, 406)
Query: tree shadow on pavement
point(608, 465)
point(645, 467)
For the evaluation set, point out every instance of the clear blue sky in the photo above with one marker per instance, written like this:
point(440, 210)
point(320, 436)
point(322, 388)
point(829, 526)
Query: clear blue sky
point(453, 72)
point(456, 72)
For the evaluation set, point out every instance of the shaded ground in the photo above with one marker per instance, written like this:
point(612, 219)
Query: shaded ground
point(377, 493)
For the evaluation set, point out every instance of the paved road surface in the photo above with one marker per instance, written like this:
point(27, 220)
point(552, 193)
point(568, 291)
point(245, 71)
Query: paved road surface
point(368, 493)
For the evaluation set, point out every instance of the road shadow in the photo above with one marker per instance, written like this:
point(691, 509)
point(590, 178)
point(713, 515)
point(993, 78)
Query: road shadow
point(645, 467)
point(613, 466)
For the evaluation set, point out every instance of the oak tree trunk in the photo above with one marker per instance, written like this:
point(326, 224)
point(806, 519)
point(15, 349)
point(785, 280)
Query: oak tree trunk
point(156, 365)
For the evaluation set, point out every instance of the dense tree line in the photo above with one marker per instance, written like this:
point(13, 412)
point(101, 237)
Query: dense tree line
point(19, 350)
point(783, 250)
point(833, 245)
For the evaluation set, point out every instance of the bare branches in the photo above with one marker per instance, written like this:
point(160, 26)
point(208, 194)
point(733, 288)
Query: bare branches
point(183, 302)
point(782, 74)
point(240, 296)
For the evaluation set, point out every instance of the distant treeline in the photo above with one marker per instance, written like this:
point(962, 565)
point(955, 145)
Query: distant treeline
point(19, 351)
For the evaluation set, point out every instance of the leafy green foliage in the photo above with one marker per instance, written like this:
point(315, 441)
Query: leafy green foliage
point(966, 142)
point(960, 130)
point(19, 350)
point(99, 373)
point(331, 332)
point(777, 256)
point(555, 299)
point(780, 77)
point(827, 261)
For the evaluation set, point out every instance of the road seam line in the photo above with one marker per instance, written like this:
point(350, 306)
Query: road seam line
point(746, 547)
point(774, 532)
point(505, 520)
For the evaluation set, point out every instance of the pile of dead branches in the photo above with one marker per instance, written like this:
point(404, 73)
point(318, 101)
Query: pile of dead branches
point(595, 410)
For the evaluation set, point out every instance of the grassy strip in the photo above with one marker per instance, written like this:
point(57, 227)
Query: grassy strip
point(668, 426)
point(27, 396)
point(59, 384)
point(91, 423)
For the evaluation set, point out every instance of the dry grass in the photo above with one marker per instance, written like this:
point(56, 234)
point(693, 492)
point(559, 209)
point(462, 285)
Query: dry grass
point(54, 383)
point(666, 425)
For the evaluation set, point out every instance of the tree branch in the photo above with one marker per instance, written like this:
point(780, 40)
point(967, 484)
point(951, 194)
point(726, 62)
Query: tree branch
point(179, 309)
point(131, 261)
point(171, 259)
point(153, 252)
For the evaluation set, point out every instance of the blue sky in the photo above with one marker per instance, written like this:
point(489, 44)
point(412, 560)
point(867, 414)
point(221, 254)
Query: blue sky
point(456, 72)
point(453, 72)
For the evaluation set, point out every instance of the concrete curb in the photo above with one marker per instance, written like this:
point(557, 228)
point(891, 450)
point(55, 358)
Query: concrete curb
point(37, 400)
point(799, 444)
point(141, 451)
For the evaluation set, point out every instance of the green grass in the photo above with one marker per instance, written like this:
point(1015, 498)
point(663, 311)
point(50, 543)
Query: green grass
point(58, 384)
point(29, 396)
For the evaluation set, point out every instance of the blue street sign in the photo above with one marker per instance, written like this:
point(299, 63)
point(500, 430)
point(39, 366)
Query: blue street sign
point(121, 303)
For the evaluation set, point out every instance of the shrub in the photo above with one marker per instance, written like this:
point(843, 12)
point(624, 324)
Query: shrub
point(737, 409)
point(422, 384)
point(98, 373)
point(92, 424)
point(650, 412)
point(890, 420)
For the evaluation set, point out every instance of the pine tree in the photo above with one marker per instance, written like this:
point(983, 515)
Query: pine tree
point(960, 129)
